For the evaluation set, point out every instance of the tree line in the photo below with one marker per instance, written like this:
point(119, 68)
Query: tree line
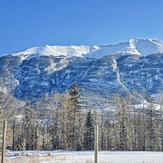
point(66, 122)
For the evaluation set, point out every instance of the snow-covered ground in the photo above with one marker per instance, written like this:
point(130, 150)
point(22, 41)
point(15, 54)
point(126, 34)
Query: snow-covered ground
point(83, 157)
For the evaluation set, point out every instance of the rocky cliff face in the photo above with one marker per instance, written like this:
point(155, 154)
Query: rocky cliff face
point(121, 68)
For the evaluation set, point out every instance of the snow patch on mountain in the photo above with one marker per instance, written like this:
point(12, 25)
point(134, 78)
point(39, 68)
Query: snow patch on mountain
point(116, 69)
point(56, 66)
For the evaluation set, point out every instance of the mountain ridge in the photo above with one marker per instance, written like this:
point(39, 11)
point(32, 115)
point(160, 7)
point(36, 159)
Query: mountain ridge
point(112, 69)
point(133, 46)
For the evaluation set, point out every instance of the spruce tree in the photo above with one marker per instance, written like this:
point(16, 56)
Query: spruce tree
point(76, 118)
point(89, 132)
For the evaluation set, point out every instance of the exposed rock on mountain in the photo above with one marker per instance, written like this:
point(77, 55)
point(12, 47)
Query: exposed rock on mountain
point(121, 68)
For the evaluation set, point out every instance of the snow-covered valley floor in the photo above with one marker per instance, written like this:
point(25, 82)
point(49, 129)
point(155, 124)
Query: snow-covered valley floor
point(83, 157)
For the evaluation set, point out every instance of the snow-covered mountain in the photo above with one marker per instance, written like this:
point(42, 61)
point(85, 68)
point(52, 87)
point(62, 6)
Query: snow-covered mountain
point(135, 64)
point(134, 46)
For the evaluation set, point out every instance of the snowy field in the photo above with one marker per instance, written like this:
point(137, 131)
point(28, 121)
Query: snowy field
point(83, 157)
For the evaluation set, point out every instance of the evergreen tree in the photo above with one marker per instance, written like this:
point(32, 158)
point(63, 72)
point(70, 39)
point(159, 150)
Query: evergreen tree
point(76, 118)
point(75, 98)
point(89, 132)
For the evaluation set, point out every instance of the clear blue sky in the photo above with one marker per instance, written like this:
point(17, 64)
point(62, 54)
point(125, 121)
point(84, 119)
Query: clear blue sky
point(28, 23)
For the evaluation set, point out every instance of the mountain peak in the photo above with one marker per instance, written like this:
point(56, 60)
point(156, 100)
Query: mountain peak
point(147, 46)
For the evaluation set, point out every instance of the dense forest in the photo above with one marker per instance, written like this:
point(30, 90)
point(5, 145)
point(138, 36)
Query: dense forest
point(66, 122)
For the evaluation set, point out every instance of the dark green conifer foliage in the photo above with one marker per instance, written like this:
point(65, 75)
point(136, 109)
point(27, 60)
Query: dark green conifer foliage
point(89, 132)
point(76, 118)
point(75, 98)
